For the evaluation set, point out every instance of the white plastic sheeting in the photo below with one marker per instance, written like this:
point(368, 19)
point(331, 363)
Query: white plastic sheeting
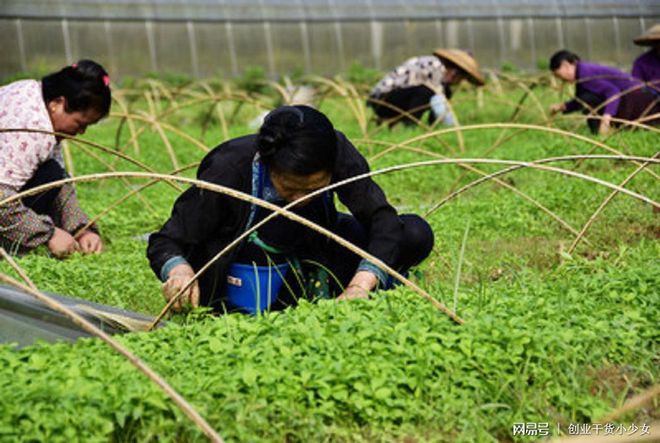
point(322, 10)
point(24, 320)
point(224, 37)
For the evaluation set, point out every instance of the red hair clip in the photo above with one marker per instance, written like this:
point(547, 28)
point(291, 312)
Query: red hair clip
point(106, 80)
point(74, 66)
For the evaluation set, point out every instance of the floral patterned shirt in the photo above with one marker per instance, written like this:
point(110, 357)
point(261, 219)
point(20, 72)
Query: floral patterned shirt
point(22, 106)
point(425, 70)
point(21, 153)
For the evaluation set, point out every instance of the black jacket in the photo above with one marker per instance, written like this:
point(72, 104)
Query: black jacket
point(204, 222)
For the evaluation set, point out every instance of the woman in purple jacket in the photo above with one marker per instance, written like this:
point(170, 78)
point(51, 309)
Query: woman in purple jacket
point(647, 66)
point(604, 91)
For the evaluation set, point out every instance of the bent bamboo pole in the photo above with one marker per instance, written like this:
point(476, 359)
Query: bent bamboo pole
point(181, 402)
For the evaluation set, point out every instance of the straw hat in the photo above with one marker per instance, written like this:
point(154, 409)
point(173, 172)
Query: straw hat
point(465, 61)
point(650, 37)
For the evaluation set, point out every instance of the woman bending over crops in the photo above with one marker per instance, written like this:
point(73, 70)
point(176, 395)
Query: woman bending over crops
point(297, 151)
point(408, 91)
point(66, 102)
point(604, 91)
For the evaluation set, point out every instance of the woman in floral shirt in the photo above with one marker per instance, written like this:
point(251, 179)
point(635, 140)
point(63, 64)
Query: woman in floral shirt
point(420, 83)
point(65, 102)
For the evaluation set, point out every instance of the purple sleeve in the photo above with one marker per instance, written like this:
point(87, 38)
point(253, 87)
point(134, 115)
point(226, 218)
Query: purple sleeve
point(605, 81)
point(572, 106)
point(638, 70)
point(609, 91)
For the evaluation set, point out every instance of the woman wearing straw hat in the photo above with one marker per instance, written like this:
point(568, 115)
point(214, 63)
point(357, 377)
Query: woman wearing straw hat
point(297, 151)
point(603, 91)
point(405, 93)
point(66, 102)
point(647, 66)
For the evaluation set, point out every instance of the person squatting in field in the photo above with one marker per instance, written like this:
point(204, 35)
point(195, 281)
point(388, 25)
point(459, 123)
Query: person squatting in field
point(296, 151)
point(66, 102)
point(408, 91)
point(603, 91)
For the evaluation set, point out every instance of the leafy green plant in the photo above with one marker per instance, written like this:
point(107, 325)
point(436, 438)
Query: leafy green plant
point(386, 367)
point(391, 368)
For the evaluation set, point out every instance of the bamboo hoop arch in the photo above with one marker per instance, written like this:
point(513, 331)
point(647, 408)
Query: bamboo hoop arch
point(358, 251)
point(152, 375)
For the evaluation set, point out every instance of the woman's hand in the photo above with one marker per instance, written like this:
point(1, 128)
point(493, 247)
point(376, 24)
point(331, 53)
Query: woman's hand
point(62, 244)
point(359, 286)
point(604, 127)
point(179, 277)
point(352, 292)
point(557, 107)
point(90, 242)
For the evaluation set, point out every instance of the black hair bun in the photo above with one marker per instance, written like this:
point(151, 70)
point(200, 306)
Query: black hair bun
point(269, 141)
point(90, 71)
point(278, 128)
point(297, 140)
point(84, 85)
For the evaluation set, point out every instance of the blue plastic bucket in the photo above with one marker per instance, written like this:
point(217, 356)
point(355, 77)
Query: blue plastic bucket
point(252, 288)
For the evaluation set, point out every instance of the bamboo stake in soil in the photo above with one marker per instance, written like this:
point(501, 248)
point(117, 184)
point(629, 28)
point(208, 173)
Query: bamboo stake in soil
point(181, 402)
point(516, 126)
point(144, 201)
point(502, 183)
point(131, 127)
point(347, 92)
point(634, 403)
point(154, 121)
point(166, 142)
point(538, 165)
point(133, 192)
point(602, 206)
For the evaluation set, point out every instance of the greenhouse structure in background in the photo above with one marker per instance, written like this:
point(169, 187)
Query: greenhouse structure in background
point(224, 37)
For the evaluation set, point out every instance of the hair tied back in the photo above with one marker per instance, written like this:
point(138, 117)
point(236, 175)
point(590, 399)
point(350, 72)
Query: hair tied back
point(286, 110)
point(299, 113)
point(277, 129)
